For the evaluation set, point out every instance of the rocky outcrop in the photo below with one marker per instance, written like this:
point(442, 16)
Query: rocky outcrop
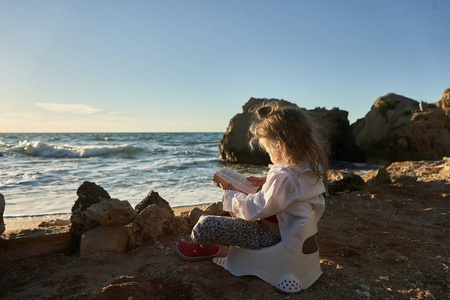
point(334, 126)
point(234, 146)
point(396, 129)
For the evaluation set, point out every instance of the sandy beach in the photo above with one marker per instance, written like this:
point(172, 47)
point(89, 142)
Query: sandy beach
point(384, 242)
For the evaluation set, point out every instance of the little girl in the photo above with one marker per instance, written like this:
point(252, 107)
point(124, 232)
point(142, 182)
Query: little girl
point(279, 211)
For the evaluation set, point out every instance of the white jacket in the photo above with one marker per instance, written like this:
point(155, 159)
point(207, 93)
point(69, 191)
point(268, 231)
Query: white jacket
point(290, 193)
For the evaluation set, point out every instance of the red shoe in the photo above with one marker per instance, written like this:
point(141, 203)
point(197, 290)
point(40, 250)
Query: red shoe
point(192, 251)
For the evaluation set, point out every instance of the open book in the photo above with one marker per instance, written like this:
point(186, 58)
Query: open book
point(238, 181)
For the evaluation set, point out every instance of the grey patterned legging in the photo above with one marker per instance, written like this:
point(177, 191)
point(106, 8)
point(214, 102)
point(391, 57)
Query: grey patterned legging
point(233, 232)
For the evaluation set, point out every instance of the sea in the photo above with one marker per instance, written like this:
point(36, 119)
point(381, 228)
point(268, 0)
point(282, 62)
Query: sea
point(41, 172)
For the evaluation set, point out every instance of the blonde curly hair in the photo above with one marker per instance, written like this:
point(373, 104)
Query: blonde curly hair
point(290, 132)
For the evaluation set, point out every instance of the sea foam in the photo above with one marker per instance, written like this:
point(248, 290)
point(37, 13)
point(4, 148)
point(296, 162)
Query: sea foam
point(40, 149)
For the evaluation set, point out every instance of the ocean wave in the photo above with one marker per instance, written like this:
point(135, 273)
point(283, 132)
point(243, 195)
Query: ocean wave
point(39, 149)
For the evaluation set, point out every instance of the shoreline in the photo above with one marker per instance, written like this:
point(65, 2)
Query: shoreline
point(32, 222)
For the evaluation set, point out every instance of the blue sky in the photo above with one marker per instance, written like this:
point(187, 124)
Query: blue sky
point(94, 66)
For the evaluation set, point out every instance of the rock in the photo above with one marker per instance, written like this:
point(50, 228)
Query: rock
point(195, 214)
point(104, 239)
point(216, 209)
point(154, 223)
point(425, 171)
point(378, 177)
point(344, 180)
point(444, 102)
point(181, 225)
point(234, 146)
point(395, 129)
point(111, 212)
point(334, 125)
point(2, 209)
point(88, 193)
point(153, 198)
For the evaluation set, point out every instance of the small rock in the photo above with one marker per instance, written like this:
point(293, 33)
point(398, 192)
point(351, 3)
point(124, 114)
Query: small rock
point(366, 294)
point(153, 198)
point(195, 214)
point(342, 180)
point(378, 177)
point(216, 209)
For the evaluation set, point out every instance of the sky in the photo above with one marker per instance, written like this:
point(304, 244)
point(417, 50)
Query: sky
point(190, 65)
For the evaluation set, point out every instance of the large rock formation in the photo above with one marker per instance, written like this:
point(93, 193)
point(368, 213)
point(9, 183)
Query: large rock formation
point(234, 146)
point(335, 127)
point(399, 128)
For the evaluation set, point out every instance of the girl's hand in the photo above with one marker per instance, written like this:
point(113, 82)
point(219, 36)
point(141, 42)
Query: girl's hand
point(225, 187)
point(257, 181)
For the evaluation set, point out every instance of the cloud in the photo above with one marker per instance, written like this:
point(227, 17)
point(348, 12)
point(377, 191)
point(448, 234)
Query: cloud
point(79, 109)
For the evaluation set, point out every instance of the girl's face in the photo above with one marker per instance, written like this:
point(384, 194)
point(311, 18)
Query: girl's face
point(276, 157)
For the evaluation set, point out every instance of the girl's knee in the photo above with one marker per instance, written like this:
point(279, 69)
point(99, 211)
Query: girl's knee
point(205, 221)
point(204, 228)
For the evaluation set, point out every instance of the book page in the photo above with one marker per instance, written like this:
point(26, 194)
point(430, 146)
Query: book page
point(226, 175)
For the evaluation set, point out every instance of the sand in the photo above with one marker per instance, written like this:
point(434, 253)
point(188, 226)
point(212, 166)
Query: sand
point(390, 241)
